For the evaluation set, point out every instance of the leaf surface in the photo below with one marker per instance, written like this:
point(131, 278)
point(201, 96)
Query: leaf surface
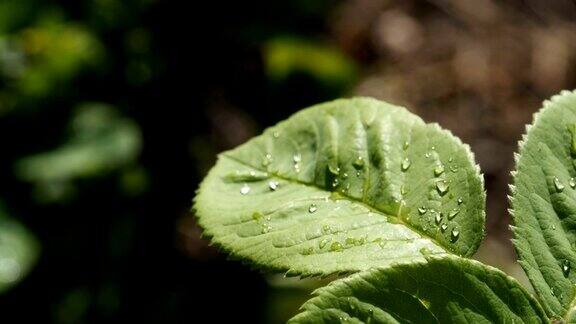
point(342, 187)
point(544, 205)
point(443, 290)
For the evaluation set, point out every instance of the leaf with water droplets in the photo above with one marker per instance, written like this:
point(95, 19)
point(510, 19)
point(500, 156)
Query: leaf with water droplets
point(544, 211)
point(346, 163)
point(443, 290)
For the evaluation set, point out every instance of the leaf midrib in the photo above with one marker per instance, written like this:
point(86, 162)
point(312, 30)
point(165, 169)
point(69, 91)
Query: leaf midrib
point(397, 218)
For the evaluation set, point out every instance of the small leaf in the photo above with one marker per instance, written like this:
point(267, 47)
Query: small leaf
point(365, 182)
point(444, 290)
point(544, 205)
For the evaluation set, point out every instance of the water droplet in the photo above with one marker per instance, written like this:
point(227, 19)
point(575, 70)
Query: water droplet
point(358, 163)
point(334, 169)
point(308, 251)
point(276, 134)
point(336, 247)
point(553, 227)
point(427, 155)
point(406, 164)
point(438, 218)
point(344, 175)
point(454, 235)
point(406, 145)
point(403, 190)
point(439, 169)
point(443, 227)
point(566, 267)
point(266, 228)
point(450, 159)
point(572, 183)
point(273, 185)
point(460, 200)
point(453, 213)
point(245, 189)
point(246, 176)
point(433, 148)
point(267, 159)
point(559, 186)
point(326, 229)
point(257, 216)
point(324, 242)
point(335, 183)
point(312, 209)
point(422, 210)
point(297, 158)
point(442, 187)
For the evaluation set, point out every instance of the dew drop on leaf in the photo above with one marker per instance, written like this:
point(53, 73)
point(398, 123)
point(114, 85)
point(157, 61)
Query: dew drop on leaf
point(422, 210)
point(312, 209)
point(442, 187)
point(324, 242)
point(439, 169)
point(453, 213)
point(460, 200)
point(257, 216)
point(406, 145)
point(559, 186)
point(336, 247)
point(443, 227)
point(406, 164)
point(245, 189)
point(454, 235)
point(358, 164)
point(572, 183)
point(403, 190)
point(267, 159)
point(427, 155)
point(308, 251)
point(438, 218)
point(273, 185)
point(266, 228)
point(566, 267)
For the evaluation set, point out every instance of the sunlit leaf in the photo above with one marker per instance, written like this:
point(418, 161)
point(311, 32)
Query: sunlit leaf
point(341, 187)
point(443, 290)
point(544, 205)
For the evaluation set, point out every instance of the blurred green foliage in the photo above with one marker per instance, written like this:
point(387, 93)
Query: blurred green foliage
point(100, 141)
point(39, 59)
point(287, 56)
point(18, 251)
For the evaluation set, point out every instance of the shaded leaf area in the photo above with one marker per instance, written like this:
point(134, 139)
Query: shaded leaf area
point(443, 290)
point(341, 187)
point(18, 251)
point(544, 204)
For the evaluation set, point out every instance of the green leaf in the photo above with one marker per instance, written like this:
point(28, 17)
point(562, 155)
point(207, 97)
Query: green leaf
point(342, 187)
point(544, 205)
point(18, 251)
point(444, 290)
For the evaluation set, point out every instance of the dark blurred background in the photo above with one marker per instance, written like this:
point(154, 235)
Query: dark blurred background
point(112, 111)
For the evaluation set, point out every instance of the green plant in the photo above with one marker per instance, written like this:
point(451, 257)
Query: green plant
point(361, 187)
